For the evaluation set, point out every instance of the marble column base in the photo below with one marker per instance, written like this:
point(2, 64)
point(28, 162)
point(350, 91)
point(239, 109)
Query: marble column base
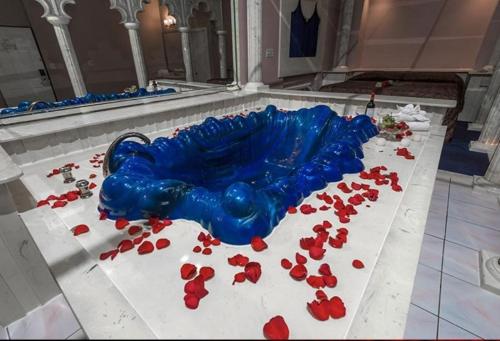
point(475, 126)
point(480, 184)
point(255, 86)
point(476, 146)
point(490, 271)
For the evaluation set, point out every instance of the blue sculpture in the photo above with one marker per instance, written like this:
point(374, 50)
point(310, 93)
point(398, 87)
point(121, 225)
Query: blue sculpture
point(24, 106)
point(236, 177)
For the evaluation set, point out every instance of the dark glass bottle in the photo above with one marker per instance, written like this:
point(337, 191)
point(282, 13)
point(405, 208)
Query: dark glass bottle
point(370, 107)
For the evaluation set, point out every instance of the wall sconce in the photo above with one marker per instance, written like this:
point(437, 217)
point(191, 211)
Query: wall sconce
point(169, 21)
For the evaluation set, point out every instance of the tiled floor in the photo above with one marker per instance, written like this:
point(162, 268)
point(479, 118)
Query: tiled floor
point(53, 320)
point(447, 301)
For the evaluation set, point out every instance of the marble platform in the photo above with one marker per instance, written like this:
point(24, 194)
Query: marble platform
point(141, 296)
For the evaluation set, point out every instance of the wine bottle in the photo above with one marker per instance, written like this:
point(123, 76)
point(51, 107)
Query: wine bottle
point(370, 107)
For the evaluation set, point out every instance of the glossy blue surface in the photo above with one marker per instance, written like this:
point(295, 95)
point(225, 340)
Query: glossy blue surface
point(23, 106)
point(236, 177)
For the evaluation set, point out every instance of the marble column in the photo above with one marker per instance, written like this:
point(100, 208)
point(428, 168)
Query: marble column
point(254, 35)
point(488, 98)
point(186, 53)
point(489, 134)
point(135, 43)
point(129, 9)
point(345, 33)
point(221, 34)
point(54, 13)
point(491, 179)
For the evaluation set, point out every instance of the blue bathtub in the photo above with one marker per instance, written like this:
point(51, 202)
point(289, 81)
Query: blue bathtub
point(235, 176)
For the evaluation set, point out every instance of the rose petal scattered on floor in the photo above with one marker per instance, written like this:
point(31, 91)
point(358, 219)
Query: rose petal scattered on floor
point(276, 329)
point(286, 264)
point(120, 223)
point(145, 247)
point(358, 264)
point(239, 277)
point(162, 243)
point(258, 244)
point(253, 271)
point(298, 272)
point(80, 229)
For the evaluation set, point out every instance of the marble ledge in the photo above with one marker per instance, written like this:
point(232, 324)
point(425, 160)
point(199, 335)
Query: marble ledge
point(439, 103)
point(385, 303)
point(99, 107)
point(9, 171)
point(81, 280)
point(57, 124)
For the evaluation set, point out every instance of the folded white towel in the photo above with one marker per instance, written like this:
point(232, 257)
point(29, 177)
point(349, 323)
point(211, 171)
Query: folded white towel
point(419, 126)
point(410, 113)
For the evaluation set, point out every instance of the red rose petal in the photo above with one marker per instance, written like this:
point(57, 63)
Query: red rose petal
point(358, 264)
point(103, 215)
point(327, 224)
point(216, 242)
point(253, 271)
point(238, 260)
point(106, 255)
point(162, 243)
point(191, 301)
point(120, 223)
point(319, 310)
point(92, 185)
point(157, 227)
point(343, 230)
point(355, 186)
point(196, 287)
point(188, 271)
point(146, 234)
point(330, 281)
point(286, 264)
point(320, 295)
point(134, 229)
point(79, 229)
point(316, 253)
point(298, 272)
point(59, 203)
point(306, 243)
point(324, 208)
point(258, 244)
point(207, 251)
point(197, 249)
point(336, 307)
point(125, 245)
point(292, 210)
point(145, 247)
point(276, 329)
point(300, 259)
point(92, 175)
point(207, 242)
point(72, 196)
point(138, 240)
point(202, 236)
point(239, 277)
point(315, 281)
point(207, 272)
point(42, 203)
point(324, 269)
point(335, 243)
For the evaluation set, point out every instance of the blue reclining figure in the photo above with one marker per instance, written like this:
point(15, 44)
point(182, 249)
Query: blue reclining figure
point(236, 177)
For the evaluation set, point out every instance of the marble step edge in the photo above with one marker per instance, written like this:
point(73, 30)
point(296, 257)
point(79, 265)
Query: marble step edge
point(101, 309)
point(385, 302)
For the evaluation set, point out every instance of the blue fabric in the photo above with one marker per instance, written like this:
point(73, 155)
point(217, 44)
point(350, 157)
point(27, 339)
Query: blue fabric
point(303, 33)
point(236, 177)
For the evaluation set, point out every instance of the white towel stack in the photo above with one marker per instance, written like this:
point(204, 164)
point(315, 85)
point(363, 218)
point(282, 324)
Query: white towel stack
point(413, 116)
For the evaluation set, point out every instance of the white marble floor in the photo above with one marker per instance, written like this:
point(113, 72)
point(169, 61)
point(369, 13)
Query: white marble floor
point(447, 301)
point(53, 320)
